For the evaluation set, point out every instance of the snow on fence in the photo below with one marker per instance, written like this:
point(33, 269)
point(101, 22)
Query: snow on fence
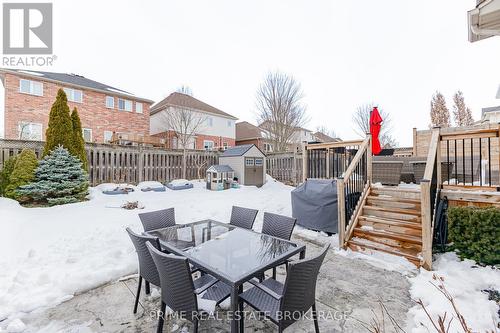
point(113, 163)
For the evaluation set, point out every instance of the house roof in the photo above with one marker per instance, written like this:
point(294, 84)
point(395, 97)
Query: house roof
point(72, 80)
point(489, 109)
point(325, 138)
point(220, 168)
point(247, 131)
point(187, 101)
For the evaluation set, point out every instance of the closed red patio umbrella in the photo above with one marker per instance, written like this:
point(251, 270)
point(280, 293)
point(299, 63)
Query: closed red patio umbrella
point(375, 125)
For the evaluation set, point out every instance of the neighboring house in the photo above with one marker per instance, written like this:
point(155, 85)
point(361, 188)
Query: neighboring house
point(322, 137)
point(103, 110)
point(491, 114)
point(260, 136)
point(216, 132)
point(247, 133)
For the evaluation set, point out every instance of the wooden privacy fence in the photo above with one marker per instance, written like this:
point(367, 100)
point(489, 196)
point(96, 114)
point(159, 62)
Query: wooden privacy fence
point(285, 167)
point(111, 163)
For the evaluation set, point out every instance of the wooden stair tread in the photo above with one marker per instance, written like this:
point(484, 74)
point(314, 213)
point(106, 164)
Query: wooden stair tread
point(393, 199)
point(412, 256)
point(395, 189)
point(407, 211)
point(395, 222)
point(387, 234)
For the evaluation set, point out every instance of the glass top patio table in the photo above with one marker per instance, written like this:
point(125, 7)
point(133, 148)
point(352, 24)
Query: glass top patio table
point(230, 253)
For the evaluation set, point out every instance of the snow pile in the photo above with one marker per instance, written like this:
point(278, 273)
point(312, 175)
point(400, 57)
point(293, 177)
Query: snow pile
point(149, 184)
point(180, 182)
point(465, 282)
point(49, 254)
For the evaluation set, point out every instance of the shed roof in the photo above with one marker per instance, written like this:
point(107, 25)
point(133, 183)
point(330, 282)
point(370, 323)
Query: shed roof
point(238, 150)
point(220, 168)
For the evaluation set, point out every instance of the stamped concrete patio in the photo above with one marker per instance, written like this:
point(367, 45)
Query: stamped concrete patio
point(348, 290)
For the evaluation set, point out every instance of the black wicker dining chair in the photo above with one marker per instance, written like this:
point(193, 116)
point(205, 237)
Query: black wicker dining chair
point(281, 303)
point(158, 219)
point(178, 289)
point(243, 217)
point(278, 226)
point(147, 267)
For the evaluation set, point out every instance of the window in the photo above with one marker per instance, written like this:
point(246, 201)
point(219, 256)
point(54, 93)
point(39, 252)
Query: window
point(124, 105)
point(259, 161)
point(268, 147)
point(31, 87)
point(229, 123)
point(74, 95)
point(208, 144)
point(138, 107)
point(108, 136)
point(87, 134)
point(210, 121)
point(249, 162)
point(30, 131)
point(110, 102)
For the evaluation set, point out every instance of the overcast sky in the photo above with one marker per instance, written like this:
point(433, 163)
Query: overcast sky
point(344, 53)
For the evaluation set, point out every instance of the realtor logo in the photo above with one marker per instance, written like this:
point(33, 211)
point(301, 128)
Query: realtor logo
point(27, 28)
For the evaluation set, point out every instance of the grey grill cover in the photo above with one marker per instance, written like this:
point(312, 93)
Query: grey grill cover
point(314, 205)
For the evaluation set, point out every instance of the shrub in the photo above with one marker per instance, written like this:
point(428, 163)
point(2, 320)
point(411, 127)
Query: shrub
point(78, 147)
point(8, 167)
point(60, 129)
point(59, 179)
point(475, 233)
point(23, 173)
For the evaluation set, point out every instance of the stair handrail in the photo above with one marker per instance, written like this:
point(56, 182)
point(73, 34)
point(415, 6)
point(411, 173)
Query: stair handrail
point(429, 194)
point(347, 182)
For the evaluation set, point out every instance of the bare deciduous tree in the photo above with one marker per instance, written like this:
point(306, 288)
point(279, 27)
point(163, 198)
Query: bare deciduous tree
point(440, 115)
point(361, 120)
point(462, 115)
point(186, 90)
point(327, 131)
point(280, 108)
point(183, 124)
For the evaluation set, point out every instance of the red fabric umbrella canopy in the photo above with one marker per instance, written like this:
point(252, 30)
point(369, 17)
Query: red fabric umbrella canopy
point(375, 125)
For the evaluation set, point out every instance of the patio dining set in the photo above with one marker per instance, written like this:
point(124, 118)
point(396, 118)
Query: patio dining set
point(211, 261)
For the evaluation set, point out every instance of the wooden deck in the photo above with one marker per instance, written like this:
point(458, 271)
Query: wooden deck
point(399, 220)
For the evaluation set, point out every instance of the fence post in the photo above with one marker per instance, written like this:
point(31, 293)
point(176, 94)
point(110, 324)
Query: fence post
point(304, 162)
point(140, 165)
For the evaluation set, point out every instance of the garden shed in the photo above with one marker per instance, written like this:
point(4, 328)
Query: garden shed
point(248, 163)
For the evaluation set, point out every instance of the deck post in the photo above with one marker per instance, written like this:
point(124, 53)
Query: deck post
point(327, 164)
point(341, 211)
point(304, 162)
point(426, 223)
point(438, 159)
point(369, 160)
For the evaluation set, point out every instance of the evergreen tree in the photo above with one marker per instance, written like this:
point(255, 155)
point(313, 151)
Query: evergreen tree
point(462, 115)
point(59, 179)
point(23, 173)
point(60, 129)
point(8, 167)
point(440, 115)
point(78, 142)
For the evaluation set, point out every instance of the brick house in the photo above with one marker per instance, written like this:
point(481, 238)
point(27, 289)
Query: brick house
point(217, 130)
point(104, 110)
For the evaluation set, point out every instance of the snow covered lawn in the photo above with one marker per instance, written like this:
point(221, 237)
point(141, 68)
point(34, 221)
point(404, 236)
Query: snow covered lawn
point(49, 254)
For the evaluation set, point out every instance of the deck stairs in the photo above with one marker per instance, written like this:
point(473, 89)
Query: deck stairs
point(390, 221)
